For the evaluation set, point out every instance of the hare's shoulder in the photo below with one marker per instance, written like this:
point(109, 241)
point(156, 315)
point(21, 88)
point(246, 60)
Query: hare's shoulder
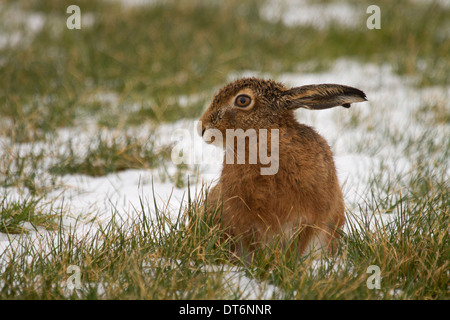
point(300, 136)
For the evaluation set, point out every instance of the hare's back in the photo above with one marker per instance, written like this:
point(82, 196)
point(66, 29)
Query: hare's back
point(306, 159)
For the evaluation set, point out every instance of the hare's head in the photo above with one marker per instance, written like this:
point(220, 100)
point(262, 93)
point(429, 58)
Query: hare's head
point(253, 103)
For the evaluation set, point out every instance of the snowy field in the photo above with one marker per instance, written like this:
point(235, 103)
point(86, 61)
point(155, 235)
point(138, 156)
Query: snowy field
point(393, 103)
point(379, 139)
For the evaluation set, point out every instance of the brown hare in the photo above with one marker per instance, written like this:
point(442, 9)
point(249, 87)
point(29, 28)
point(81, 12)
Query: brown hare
point(301, 200)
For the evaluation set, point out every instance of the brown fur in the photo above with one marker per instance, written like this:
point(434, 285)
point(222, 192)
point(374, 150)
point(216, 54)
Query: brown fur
point(303, 198)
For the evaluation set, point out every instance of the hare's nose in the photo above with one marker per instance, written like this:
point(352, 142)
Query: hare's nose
point(200, 129)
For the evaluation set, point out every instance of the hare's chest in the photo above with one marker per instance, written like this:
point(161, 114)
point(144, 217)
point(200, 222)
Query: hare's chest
point(254, 189)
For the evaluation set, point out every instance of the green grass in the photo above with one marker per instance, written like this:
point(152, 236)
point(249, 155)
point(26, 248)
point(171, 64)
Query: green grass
point(15, 213)
point(134, 67)
point(147, 56)
point(163, 256)
point(23, 169)
point(105, 155)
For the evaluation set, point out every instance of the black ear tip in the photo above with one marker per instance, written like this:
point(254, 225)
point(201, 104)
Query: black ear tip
point(358, 93)
point(364, 96)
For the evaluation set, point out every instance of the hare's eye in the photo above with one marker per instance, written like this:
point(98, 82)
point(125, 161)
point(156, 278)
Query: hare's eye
point(243, 101)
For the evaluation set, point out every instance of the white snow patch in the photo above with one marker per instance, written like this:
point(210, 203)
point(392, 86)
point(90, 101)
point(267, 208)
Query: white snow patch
point(18, 26)
point(393, 104)
point(320, 16)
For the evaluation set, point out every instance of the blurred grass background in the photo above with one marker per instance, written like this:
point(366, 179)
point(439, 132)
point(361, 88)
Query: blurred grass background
point(147, 55)
point(134, 65)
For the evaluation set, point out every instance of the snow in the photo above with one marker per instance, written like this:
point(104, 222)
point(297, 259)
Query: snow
point(121, 192)
point(320, 16)
point(393, 103)
point(20, 26)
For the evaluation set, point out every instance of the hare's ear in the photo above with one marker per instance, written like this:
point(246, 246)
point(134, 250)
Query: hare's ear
point(322, 96)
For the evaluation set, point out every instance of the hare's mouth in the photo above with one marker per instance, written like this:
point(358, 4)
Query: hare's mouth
point(213, 136)
point(208, 136)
